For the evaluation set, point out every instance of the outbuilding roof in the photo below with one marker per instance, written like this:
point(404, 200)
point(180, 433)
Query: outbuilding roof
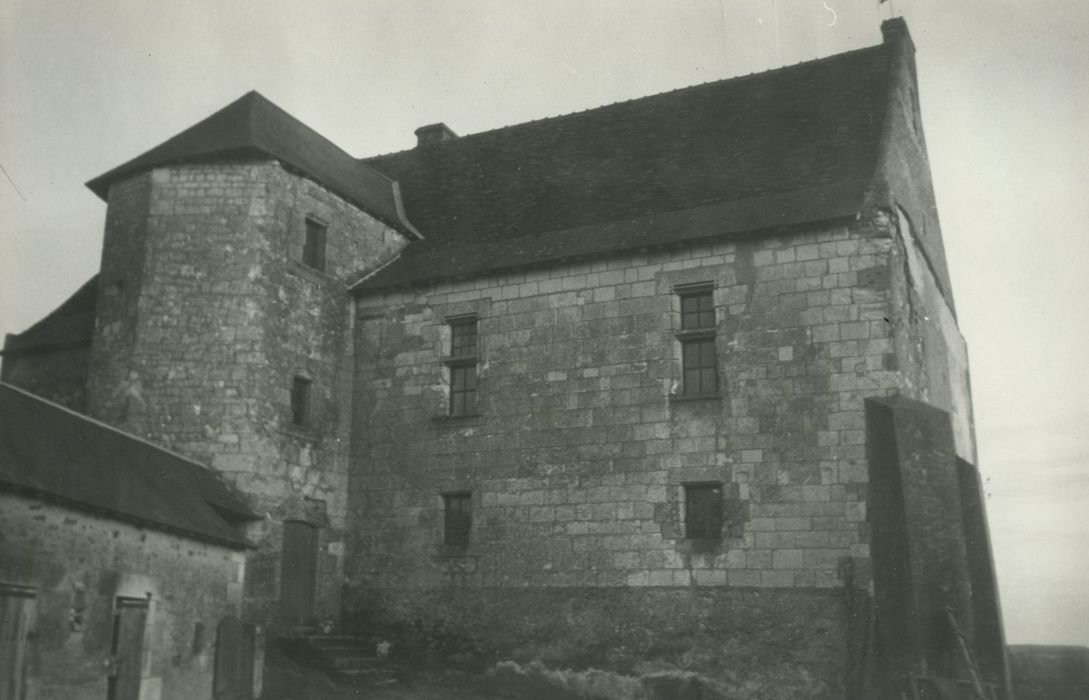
point(51, 452)
point(254, 125)
point(788, 146)
point(72, 323)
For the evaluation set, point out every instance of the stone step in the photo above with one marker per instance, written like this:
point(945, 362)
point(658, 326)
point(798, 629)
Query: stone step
point(344, 656)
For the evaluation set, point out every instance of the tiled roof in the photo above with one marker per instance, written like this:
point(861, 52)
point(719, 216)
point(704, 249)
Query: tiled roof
point(787, 146)
point(252, 124)
point(54, 453)
point(71, 323)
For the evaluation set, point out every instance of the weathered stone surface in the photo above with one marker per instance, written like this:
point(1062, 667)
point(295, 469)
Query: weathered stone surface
point(78, 564)
point(578, 461)
point(205, 316)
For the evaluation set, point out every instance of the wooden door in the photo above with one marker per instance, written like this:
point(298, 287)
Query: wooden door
point(299, 573)
point(228, 681)
point(127, 650)
point(16, 619)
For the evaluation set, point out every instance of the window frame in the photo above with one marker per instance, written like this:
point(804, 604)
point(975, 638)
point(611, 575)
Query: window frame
point(457, 521)
point(462, 364)
point(302, 393)
point(698, 330)
point(705, 527)
point(314, 247)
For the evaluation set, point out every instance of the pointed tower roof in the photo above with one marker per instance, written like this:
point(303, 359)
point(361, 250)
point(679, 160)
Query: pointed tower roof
point(254, 125)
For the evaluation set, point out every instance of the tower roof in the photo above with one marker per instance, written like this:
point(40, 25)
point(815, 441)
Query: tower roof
point(254, 125)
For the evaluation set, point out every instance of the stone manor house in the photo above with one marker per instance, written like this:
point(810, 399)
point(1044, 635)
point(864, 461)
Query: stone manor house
point(691, 359)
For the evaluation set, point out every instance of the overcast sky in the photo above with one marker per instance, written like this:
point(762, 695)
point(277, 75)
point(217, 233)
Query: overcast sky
point(1004, 88)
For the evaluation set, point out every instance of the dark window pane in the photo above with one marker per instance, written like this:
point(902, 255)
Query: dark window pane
point(463, 339)
point(462, 389)
point(703, 511)
point(699, 365)
point(691, 354)
point(458, 519)
point(697, 311)
point(300, 401)
point(314, 245)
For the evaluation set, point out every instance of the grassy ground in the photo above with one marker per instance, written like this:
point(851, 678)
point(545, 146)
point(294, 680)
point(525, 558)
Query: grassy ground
point(285, 680)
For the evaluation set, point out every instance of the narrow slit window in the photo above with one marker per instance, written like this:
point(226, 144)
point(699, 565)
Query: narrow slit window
point(458, 518)
point(300, 402)
point(314, 245)
point(703, 511)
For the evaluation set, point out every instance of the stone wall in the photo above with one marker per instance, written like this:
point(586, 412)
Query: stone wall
point(77, 564)
point(933, 354)
point(206, 315)
point(578, 461)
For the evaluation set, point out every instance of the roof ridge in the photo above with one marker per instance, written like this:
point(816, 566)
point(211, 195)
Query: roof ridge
point(876, 48)
point(252, 126)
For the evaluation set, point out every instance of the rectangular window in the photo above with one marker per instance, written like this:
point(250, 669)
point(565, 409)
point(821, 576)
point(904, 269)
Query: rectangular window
point(462, 390)
point(697, 311)
point(703, 511)
point(458, 519)
point(462, 362)
point(699, 363)
point(314, 245)
point(463, 338)
point(300, 402)
point(700, 366)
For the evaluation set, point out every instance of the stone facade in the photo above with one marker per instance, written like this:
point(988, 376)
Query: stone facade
point(578, 461)
point(76, 565)
point(205, 316)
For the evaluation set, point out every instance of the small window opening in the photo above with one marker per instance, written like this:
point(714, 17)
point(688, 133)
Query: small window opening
point(314, 245)
point(458, 520)
point(300, 402)
point(703, 511)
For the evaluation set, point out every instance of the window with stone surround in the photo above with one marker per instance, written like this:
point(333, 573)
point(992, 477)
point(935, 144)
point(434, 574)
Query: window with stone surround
point(703, 511)
point(462, 364)
point(300, 402)
point(313, 253)
point(699, 362)
point(457, 518)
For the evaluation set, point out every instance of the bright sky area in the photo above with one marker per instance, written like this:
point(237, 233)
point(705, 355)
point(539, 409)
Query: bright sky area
point(1004, 87)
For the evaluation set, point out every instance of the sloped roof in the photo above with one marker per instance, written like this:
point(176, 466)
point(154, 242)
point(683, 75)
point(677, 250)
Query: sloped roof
point(55, 453)
point(71, 323)
point(786, 146)
point(252, 124)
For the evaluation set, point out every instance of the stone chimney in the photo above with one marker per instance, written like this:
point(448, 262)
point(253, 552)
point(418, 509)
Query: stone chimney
point(895, 31)
point(434, 133)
